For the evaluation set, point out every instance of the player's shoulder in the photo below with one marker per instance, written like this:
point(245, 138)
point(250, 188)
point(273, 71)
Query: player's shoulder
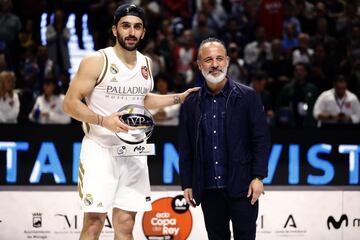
point(144, 57)
point(93, 59)
point(93, 56)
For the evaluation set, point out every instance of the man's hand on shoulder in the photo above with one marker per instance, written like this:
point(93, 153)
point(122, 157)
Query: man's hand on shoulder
point(187, 92)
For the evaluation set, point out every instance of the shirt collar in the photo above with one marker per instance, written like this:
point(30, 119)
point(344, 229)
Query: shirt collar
point(224, 92)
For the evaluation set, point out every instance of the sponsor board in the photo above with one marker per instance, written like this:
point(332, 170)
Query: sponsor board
point(297, 215)
point(170, 218)
point(314, 157)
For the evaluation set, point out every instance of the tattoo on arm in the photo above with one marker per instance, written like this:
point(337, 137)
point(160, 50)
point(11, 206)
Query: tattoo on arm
point(177, 100)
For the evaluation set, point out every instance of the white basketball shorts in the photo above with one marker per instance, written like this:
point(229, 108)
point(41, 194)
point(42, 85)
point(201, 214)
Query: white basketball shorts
point(107, 181)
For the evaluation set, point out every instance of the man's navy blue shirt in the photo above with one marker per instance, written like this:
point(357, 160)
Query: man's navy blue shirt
point(213, 129)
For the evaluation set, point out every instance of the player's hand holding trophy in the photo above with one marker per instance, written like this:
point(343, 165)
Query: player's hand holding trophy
point(142, 123)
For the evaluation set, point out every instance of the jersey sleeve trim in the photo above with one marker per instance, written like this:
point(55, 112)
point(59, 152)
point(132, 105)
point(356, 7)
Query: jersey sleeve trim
point(103, 71)
point(150, 73)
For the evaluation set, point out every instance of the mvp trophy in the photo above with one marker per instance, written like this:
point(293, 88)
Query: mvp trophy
point(142, 121)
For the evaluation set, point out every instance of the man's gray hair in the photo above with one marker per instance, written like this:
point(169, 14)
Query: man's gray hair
point(209, 40)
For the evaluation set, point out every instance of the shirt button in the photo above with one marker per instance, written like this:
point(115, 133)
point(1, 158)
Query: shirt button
point(219, 177)
point(216, 162)
point(215, 177)
point(215, 147)
point(214, 131)
point(214, 116)
point(214, 100)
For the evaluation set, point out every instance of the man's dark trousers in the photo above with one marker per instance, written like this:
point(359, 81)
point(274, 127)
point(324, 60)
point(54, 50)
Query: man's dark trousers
point(218, 209)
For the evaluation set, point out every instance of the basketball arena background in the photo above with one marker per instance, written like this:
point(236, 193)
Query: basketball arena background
point(312, 191)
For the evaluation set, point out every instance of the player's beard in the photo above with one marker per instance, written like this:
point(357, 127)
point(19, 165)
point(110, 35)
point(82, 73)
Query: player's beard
point(122, 42)
point(215, 79)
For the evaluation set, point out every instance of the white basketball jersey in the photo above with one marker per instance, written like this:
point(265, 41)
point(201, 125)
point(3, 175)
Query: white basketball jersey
point(116, 87)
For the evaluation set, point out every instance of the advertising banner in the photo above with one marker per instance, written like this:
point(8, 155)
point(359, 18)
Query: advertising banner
point(49, 155)
point(298, 215)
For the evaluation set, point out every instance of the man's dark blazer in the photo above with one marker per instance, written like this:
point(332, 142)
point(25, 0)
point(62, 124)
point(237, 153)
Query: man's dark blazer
point(247, 141)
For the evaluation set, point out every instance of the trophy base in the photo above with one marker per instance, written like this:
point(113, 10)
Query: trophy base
point(127, 150)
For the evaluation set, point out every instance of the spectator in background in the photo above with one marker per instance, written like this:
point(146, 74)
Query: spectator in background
point(57, 37)
point(335, 11)
point(232, 33)
point(46, 65)
point(323, 68)
point(350, 64)
point(296, 99)
point(236, 69)
point(305, 13)
point(48, 106)
point(258, 83)
point(279, 68)
point(179, 83)
point(271, 17)
point(155, 11)
point(290, 38)
point(304, 53)
point(322, 37)
point(166, 116)
point(258, 51)
point(100, 20)
point(184, 56)
point(216, 15)
point(9, 99)
point(26, 36)
point(3, 64)
point(178, 8)
point(337, 105)
point(10, 26)
point(31, 11)
point(158, 61)
point(165, 43)
point(201, 30)
point(30, 70)
point(321, 11)
point(290, 19)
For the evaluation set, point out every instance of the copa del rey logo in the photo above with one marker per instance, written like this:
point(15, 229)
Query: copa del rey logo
point(169, 218)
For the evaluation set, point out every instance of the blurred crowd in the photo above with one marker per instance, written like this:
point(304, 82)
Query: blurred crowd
point(301, 56)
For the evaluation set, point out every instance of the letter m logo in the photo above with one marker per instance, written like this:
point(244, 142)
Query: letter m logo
point(337, 224)
point(180, 203)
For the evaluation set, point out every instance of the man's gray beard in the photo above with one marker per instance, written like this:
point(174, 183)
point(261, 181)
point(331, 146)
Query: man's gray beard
point(213, 79)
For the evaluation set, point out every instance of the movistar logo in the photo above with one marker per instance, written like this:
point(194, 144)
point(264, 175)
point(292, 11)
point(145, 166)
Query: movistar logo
point(337, 224)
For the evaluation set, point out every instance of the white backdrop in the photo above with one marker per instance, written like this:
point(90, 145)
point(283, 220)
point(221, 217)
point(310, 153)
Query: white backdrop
point(282, 215)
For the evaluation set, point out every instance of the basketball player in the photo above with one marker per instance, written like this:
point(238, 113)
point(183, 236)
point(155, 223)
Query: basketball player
point(108, 80)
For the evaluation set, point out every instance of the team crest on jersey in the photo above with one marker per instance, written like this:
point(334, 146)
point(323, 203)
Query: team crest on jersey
point(145, 72)
point(113, 69)
point(88, 200)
